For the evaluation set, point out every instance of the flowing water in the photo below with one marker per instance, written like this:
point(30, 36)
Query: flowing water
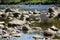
point(30, 7)
point(27, 7)
point(24, 37)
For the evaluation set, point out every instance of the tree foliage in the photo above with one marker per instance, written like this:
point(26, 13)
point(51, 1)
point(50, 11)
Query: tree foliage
point(30, 1)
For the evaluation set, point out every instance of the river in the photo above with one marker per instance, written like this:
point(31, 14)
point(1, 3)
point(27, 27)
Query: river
point(26, 7)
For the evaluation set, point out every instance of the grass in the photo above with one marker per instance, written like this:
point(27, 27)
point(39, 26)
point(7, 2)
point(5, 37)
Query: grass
point(56, 22)
point(43, 24)
point(47, 24)
point(56, 37)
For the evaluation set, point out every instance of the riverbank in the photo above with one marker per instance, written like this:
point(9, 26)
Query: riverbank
point(13, 22)
point(30, 2)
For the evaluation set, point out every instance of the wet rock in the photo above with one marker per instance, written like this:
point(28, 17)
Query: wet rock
point(24, 29)
point(8, 10)
point(16, 15)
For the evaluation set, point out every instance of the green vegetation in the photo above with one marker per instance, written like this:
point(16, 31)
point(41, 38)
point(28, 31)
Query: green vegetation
point(56, 37)
point(29, 1)
point(44, 24)
point(56, 22)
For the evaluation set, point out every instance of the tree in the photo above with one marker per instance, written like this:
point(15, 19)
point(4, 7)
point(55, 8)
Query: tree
point(9, 1)
point(23, 0)
point(15, 1)
point(5, 1)
point(0, 1)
